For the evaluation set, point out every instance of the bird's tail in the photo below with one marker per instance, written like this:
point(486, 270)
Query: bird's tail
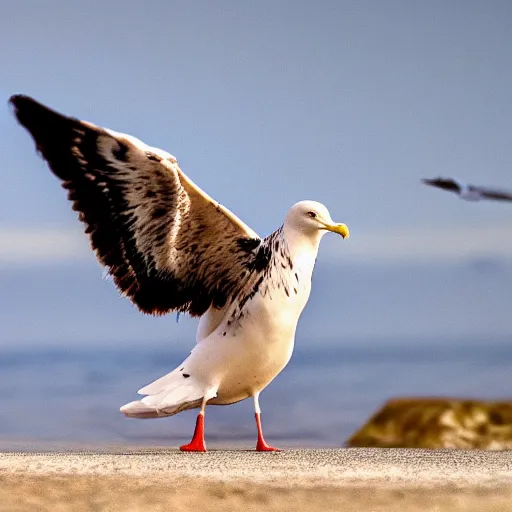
point(166, 396)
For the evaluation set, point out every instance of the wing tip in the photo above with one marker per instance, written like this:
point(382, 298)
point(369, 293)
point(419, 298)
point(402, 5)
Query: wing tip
point(138, 409)
point(33, 115)
point(17, 102)
point(16, 99)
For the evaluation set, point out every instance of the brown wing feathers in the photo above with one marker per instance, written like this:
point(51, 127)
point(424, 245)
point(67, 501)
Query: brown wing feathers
point(166, 246)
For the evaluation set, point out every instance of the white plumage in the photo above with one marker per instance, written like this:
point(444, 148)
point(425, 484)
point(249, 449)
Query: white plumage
point(170, 247)
point(251, 344)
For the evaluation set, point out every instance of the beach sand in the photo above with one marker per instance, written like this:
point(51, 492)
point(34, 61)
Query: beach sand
point(357, 479)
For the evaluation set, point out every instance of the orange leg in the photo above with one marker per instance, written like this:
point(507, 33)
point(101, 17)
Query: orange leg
point(261, 445)
point(197, 444)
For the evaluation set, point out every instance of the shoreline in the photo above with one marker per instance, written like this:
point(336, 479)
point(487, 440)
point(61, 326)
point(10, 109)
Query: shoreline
point(152, 479)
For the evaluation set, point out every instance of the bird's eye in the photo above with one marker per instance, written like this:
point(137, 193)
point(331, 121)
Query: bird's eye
point(312, 215)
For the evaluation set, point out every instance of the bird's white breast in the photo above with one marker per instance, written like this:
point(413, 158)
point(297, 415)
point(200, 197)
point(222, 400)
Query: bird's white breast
point(251, 346)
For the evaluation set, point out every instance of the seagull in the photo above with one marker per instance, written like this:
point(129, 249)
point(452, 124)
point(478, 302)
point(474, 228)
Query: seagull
point(468, 192)
point(170, 247)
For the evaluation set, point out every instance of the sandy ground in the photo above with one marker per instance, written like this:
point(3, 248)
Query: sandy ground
point(303, 480)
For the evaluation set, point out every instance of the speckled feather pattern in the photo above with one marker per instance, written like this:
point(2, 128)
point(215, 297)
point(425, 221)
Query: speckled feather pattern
point(171, 247)
point(166, 244)
point(272, 272)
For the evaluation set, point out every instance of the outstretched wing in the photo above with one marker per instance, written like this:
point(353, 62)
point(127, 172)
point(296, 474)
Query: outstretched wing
point(443, 183)
point(497, 195)
point(167, 244)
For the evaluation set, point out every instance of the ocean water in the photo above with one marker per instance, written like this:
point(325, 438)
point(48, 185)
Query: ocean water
point(72, 396)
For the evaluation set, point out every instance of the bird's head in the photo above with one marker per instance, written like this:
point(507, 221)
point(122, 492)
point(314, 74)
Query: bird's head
point(313, 219)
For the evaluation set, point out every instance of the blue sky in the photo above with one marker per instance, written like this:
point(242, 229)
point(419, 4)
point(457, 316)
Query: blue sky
point(264, 104)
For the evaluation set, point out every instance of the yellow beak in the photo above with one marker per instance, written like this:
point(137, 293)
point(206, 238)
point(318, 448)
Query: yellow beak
point(341, 229)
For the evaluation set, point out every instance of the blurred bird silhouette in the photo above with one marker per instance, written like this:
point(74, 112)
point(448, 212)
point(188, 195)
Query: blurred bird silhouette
point(468, 192)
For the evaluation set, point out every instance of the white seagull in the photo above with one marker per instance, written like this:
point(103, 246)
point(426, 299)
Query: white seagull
point(171, 247)
point(468, 192)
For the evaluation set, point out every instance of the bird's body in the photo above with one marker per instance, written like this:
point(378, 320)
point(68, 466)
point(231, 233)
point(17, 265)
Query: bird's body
point(170, 247)
point(252, 342)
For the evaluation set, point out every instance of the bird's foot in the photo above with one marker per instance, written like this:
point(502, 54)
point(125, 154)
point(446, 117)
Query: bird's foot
point(194, 446)
point(197, 444)
point(262, 446)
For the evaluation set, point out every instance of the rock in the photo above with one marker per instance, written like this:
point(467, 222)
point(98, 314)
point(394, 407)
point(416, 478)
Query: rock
point(438, 423)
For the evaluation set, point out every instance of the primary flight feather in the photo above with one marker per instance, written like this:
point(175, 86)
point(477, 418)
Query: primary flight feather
point(171, 247)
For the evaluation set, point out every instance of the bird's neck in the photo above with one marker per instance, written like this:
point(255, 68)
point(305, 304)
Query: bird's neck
point(302, 248)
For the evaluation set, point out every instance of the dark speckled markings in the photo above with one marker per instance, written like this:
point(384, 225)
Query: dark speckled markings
point(113, 183)
point(271, 270)
point(153, 157)
point(120, 152)
point(147, 222)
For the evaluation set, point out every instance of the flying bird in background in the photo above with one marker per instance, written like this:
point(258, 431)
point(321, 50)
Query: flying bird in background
point(468, 192)
point(170, 247)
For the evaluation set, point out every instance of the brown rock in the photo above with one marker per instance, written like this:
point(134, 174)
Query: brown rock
point(438, 423)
